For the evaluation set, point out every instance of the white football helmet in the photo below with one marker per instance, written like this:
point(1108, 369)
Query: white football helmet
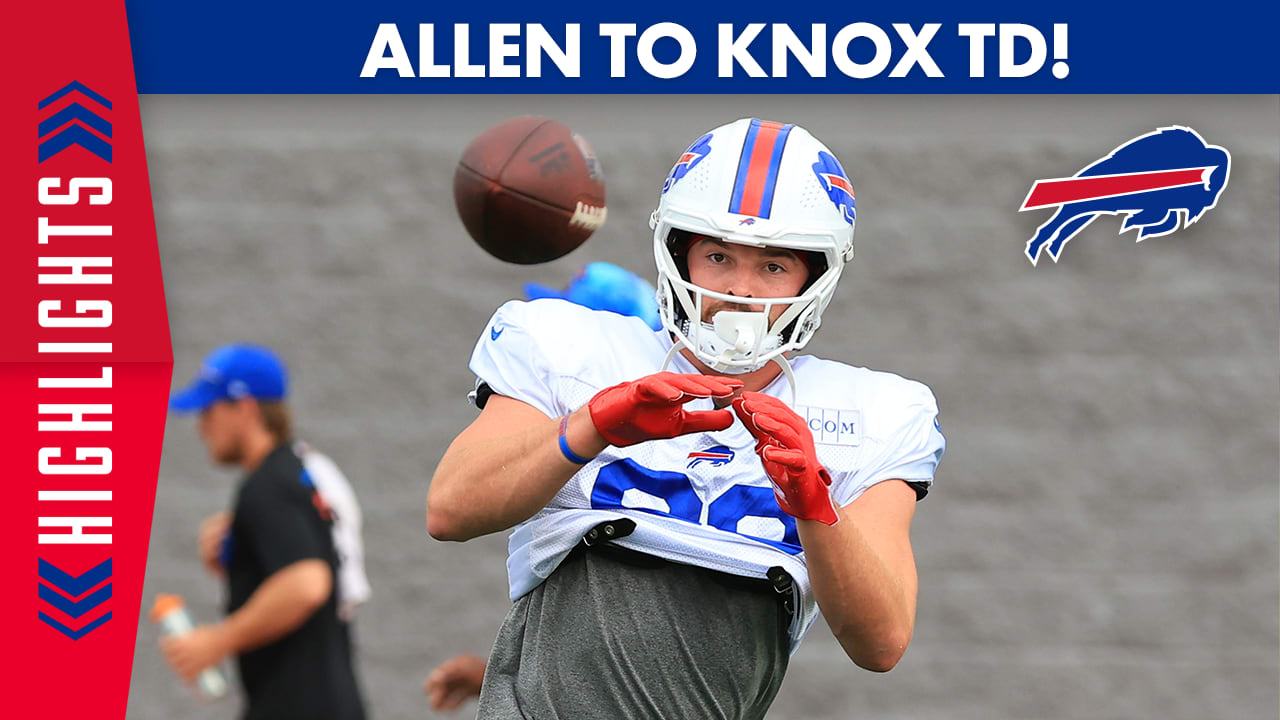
point(763, 184)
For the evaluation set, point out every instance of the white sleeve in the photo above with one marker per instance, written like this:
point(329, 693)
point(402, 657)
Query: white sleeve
point(909, 448)
point(510, 361)
point(332, 484)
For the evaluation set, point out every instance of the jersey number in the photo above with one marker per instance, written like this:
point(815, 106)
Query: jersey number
point(744, 510)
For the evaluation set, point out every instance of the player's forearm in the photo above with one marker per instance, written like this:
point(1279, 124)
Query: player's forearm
point(280, 605)
point(489, 485)
point(869, 608)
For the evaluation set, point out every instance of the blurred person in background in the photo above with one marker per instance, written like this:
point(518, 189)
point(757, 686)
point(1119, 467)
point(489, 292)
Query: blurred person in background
point(353, 585)
point(289, 592)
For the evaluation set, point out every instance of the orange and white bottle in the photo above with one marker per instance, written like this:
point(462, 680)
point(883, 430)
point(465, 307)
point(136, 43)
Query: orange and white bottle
point(170, 612)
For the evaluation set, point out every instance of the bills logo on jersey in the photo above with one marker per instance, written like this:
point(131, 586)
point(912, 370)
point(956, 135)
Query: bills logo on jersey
point(715, 456)
point(837, 185)
point(747, 221)
point(1153, 180)
point(691, 157)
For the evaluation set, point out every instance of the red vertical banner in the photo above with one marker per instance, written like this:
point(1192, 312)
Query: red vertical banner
point(85, 359)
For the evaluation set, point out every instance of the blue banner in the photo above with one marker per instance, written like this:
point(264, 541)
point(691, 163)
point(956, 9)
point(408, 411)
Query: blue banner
point(936, 47)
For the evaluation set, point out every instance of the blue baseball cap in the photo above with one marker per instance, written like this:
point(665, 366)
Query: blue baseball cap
point(604, 286)
point(230, 373)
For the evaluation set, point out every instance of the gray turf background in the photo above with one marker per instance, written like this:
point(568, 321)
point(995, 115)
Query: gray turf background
point(1102, 539)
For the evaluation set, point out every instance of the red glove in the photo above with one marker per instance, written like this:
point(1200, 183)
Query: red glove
point(785, 446)
point(652, 407)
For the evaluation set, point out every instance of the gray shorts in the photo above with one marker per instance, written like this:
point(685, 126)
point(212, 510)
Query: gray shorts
point(603, 638)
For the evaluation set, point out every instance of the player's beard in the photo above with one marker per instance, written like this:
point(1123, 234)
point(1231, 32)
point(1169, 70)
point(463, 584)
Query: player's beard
point(710, 311)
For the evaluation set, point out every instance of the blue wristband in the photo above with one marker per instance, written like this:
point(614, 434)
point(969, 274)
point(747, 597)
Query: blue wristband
point(564, 445)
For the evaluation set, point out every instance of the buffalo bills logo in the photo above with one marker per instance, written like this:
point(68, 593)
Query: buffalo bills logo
point(747, 221)
point(691, 157)
point(837, 185)
point(715, 456)
point(1154, 180)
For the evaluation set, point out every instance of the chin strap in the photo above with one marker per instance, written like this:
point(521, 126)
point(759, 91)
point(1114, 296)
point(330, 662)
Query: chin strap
point(675, 347)
point(791, 376)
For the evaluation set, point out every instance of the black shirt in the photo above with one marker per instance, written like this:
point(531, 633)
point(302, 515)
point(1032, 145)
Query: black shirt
point(278, 521)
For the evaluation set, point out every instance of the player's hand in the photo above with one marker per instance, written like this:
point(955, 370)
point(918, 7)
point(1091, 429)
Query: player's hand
point(785, 446)
point(190, 653)
point(653, 407)
point(211, 536)
point(454, 681)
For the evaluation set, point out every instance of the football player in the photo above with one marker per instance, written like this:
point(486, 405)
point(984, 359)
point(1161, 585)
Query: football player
point(685, 500)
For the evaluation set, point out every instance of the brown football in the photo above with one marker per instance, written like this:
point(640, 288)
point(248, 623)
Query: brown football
point(529, 190)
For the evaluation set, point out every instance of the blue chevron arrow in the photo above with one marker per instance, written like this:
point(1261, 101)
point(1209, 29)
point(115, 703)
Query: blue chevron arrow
point(75, 608)
point(74, 111)
point(74, 634)
point(73, 86)
point(75, 135)
point(74, 585)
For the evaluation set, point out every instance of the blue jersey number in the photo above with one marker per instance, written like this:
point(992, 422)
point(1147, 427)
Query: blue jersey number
point(675, 492)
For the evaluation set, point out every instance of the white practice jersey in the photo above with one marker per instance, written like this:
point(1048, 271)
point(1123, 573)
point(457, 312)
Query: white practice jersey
point(333, 486)
point(700, 499)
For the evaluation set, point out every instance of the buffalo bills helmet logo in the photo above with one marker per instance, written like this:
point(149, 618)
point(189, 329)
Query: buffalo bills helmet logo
point(1152, 180)
point(716, 456)
point(837, 185)
point(691, 157)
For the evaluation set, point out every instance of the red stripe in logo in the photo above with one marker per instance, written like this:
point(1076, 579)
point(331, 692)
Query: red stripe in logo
point(837, 181)
point(1046, 193)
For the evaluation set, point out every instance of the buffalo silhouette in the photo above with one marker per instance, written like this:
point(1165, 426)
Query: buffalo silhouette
point(1151, 212)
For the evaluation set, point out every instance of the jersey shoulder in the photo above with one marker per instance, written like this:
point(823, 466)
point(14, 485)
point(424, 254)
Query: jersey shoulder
point(565, 335)
point(555, 355)
point(556, 319)
point(887, 401)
